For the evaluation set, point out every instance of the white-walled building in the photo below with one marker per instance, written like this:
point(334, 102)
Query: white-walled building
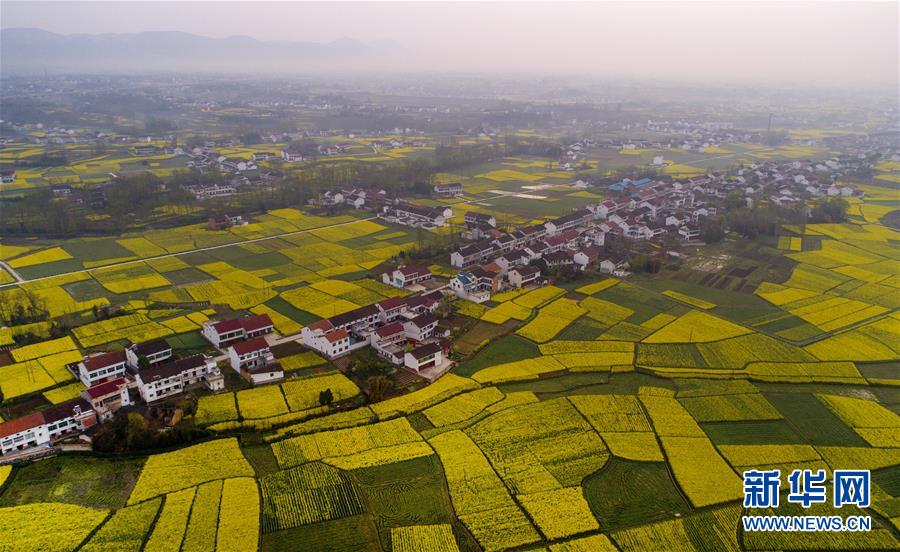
point(108, 397)
point(223, 333)
point(101, 367)
point(155, 351)
point(42, 428)
point(172, 378)
point(325, 338)
point(424, 356)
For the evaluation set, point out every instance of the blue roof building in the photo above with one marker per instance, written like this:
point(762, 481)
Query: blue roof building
point(619, 186)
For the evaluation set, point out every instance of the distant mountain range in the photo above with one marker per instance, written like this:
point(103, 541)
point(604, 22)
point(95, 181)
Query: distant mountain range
point(35, 50)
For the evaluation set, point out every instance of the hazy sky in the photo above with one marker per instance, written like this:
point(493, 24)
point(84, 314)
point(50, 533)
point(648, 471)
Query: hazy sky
point(842, 43)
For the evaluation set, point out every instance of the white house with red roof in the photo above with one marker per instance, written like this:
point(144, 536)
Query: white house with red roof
point(421, 327)
point(408, 275)
point(388, 341)
point(101, 367)
point(172, 378)
point(424, 356)
point(391, 309)
point(324, 337)
point(222, 333)
point(42, 428)
point(586, 256)
point(254, 361)
point(108, 397)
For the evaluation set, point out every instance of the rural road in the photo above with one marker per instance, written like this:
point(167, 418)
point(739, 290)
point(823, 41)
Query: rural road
point(14, 274)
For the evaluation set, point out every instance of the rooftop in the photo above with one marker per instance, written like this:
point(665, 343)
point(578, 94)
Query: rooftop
point(98, 362)
point(105, 388)
point(251, 345)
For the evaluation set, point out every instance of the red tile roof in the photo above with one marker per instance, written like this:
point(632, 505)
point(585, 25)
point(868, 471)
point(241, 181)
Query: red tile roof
point(255, 344)
point(255, 323)
point(21, 424)
point(104, 389)
point(227, 326)
point(392, 303)
point(391, 329)
point(336, 335)
point(103, 360)
point(413, 270)
point(323, 325)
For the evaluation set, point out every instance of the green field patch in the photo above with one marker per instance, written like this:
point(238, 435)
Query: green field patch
point(306, 494)
point(350, 534)
point(50, 269)
point(86, 290)
point(763, 432)
point(813, 420)
point(508, 348)
point(412, 492)
point(96, 249)
point(651, 495)
point(82, 480)
point(280, 305)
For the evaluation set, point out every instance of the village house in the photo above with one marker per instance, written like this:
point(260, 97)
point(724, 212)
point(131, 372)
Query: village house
point(254, 361)
point(421, 327)
point(221, 334)
point(213, 191)
point(325, 338)
point(224, 221)
point(557, 259)
point(427, 302)
point(585, 257)
point(424, 356)
point(153, 352)
point(391, 309)
point(173, 377)
point(329, 199)
point(467, 286)
point(264, 155)
point(42, 428)
point(581, 217)
point(475, 218)
point(388, 341)
point(357, 320)
point(147, 149)
point(408, 275)
point(471, 254)
point(448, 190)
point(511, 260)
point(7, 176)
point(414, 215)
point(107, 398)
point(291, 155)
point(523, 276)
point(101, 367)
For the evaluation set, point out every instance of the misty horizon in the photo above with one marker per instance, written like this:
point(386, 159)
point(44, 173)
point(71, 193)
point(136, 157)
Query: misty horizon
point(839, 45)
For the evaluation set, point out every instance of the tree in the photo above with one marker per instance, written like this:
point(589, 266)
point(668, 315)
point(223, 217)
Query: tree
point(143, 363)
point(832, 211)
point(326, 397)
point(712, 231)
point(379, 387)
point(734, 200)
point(135, 430)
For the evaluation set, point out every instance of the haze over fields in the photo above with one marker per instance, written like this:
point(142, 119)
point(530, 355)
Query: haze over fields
point(833, 44)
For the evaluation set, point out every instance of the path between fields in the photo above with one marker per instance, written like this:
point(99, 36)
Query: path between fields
point(12, 272)
point(20, 280)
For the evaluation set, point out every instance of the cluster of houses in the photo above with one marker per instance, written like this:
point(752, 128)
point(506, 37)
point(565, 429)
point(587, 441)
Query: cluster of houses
point(402, 330)
point(148, 372)
point(207, 158)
